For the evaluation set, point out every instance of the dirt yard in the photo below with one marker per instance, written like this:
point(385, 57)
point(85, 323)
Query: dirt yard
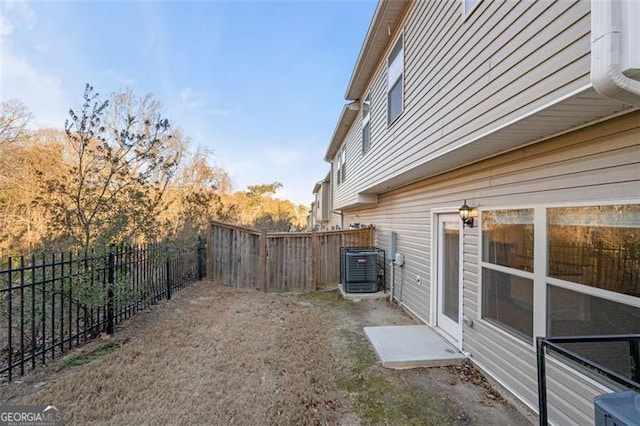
point(216, 355)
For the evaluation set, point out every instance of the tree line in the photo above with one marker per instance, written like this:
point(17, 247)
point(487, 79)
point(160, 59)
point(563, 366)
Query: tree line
point(119, 172)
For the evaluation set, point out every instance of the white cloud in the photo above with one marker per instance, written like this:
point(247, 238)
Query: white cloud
point(297, 172)
point(282, 157)
point(218, 112)
point(6, 27)
point(42, 93)
point(21, 12)
point(201, 101)
point(192, 99)
point(186, 94)
point(120, 78)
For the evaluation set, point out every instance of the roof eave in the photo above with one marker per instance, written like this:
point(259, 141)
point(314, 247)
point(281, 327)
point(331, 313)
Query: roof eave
point(384, 24)
point(347, 117)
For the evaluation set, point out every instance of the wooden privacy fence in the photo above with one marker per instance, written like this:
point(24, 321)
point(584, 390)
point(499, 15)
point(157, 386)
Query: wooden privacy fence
point(283, 261)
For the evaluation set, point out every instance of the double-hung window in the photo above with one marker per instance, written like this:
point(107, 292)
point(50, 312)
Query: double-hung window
point(341, 173)
point(507, 270)
point(395, 77)
point(366, 124)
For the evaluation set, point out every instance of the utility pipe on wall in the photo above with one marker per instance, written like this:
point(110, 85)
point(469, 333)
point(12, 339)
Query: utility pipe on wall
point(615, 49)
point(393, 270)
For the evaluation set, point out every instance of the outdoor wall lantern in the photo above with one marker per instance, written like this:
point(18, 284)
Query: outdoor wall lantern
point(466, 215)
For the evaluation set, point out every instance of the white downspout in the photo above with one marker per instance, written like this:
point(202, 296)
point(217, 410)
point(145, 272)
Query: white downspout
point(615, 50)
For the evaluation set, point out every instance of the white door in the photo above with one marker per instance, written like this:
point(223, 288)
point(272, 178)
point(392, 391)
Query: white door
point(449, 272)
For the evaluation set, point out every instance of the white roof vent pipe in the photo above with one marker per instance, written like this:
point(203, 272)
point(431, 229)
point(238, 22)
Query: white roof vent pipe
point(615, 49)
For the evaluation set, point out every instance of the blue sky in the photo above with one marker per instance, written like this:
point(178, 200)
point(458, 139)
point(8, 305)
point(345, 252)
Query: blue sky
point(259, 83)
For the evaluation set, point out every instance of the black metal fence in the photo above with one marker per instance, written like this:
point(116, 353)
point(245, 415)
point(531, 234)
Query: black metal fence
point(52, 303)
point(555, 344)
point(614, 267)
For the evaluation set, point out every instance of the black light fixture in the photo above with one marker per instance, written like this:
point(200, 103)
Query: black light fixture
point(465, 215)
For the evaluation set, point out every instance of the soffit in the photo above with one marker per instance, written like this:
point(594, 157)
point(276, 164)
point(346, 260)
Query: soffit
point(575, 112)
point(347, 117)
point(385, 23)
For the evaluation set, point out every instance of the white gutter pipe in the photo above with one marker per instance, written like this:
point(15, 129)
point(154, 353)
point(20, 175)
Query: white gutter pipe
point(615, 49)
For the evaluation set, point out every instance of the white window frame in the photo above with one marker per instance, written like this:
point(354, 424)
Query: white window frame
point(540, 279)
point(395, 73)
point(366, 121)
point(510, 271)
point(341, 169)
point(468, 6)
point(583, 288)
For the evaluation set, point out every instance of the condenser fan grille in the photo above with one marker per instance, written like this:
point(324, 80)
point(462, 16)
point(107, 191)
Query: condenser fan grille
point(360, 271)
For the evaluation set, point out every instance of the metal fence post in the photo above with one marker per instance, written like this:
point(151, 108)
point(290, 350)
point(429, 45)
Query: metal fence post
point(110, 281)
point(542, 382)
point(201, 262)
point(168, 274)
point(634, 348)
point(10, 317)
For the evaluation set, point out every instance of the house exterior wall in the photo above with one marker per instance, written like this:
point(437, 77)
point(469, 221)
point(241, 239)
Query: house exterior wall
point(312, 217)
point(464, 77)
point(322, 215)
point(600, 163)
point(324, 210)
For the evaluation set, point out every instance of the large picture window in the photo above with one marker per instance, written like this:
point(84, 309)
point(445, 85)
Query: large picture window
point(507, 266)
point(593, 266)
point(596, 246)
point(586, 275)
point(573, 313)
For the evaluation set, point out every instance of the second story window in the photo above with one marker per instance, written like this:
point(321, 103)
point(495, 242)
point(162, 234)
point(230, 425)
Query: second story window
point(341, 173)
point(395, 81)
point(366, 127)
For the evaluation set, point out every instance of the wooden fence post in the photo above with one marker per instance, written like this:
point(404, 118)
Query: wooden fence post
point(262, 269)
point(314, 261)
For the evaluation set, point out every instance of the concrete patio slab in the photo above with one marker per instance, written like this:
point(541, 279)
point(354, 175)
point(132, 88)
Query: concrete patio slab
point(412, 346)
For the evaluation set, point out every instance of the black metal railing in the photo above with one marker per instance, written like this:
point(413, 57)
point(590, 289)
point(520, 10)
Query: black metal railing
point(52, 303)
point(544, 345)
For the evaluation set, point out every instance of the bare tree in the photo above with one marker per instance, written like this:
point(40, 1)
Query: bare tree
point(14, 121)
point(195, 195)
point(122, 154)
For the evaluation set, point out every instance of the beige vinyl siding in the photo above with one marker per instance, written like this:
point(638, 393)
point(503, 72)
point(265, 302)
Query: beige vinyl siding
point(465, 78)
point(343, 192)
point(405, 216)
point(599, 163)
point(325, 202)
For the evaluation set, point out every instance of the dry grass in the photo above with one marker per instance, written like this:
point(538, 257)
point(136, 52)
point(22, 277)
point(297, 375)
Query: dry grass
point(223, 357)
point(216, 355)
